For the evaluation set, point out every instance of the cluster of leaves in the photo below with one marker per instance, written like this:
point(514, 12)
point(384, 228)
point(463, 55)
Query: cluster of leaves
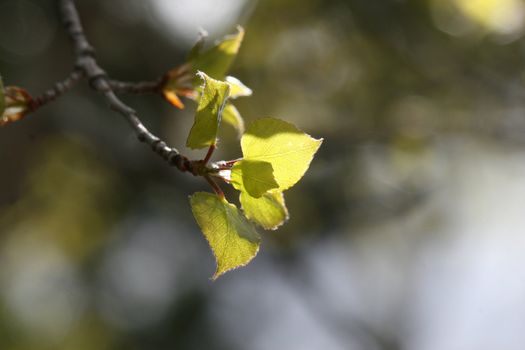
point(215, 62)
point(276, 155)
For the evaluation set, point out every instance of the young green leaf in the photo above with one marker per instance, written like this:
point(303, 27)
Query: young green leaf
point(199, 45)
point(237, 88)
point(217, 60)
point(208, 116)
point(269, 211)
point(253, 176)
point(231, 116)
point(2, 98)
point(233, 240)
point(286, 148)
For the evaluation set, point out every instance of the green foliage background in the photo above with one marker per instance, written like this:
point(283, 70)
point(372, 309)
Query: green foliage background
point(422, 111)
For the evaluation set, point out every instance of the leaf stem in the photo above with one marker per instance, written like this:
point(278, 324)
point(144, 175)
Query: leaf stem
point(230, 163)
point(209, 154)
point(214, 186)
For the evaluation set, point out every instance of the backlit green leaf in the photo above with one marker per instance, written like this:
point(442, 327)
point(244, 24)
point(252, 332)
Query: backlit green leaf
point(199, 45)
point(237, 88)
point(2, 98)
point(269, 211)
point(281, 144)
point(253, 176)
point(217, 60)
point(231, 116)
point(233, 240)
point(208, 116)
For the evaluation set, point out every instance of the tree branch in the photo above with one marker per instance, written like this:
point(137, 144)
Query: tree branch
point(86, 63)
point(57, 90)
point(142, 87)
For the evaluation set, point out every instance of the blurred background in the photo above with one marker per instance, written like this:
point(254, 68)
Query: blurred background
point(408, 232)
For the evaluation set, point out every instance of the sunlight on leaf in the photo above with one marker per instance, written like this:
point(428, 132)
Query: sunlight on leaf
point(232, 117)
point(268, 211)
point(253, 176)
point(217, 60)
point(208, 116)
point(287, 148)
point(233, 240)
point(237, 88)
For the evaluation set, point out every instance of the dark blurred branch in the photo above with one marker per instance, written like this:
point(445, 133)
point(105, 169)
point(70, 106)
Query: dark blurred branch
point(142, 87)
point(87, 65)
point(57, 90)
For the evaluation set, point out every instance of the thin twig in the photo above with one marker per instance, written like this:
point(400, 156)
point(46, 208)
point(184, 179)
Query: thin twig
point(142, 87)
point(99, 81)
point(57, 90)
